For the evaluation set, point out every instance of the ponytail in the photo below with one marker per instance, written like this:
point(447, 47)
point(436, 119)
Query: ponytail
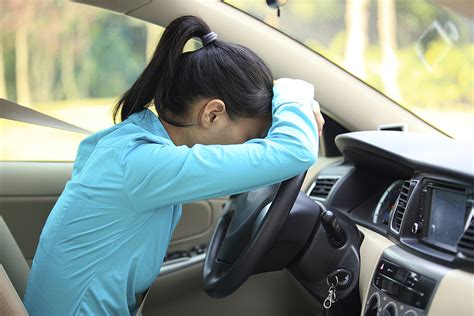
point(156, 80)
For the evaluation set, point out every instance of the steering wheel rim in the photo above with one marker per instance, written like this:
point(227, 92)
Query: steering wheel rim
point(219, 278)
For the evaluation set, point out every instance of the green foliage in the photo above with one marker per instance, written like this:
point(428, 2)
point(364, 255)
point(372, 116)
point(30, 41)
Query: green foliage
point(449, 84)
point(107, 52)
point(116, 55)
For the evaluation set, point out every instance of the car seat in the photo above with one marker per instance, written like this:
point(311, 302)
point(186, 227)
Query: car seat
point(13, 274)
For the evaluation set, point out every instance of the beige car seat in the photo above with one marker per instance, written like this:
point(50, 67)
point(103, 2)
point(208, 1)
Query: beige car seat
point(13, 274)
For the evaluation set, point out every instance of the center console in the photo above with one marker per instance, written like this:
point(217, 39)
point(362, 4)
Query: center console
point(401, 285)
point(433, 226)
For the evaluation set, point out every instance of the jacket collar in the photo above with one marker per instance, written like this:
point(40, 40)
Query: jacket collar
point(148, 120)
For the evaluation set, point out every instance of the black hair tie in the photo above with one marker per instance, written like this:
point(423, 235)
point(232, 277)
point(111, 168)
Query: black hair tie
point(208, 38)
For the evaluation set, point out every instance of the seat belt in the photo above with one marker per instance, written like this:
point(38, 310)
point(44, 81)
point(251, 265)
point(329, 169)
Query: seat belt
point(12, 111)
point(142, 304)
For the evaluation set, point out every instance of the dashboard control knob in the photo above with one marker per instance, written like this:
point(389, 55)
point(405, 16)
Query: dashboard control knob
point(372, 305)
point(390, 310)
point(416, 228)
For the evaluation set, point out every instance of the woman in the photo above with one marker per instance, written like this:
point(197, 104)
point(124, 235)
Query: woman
point(222, 128)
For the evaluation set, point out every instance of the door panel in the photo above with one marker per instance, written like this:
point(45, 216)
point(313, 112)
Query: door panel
point(196, 224)
point(25, 216)
point(33, 178)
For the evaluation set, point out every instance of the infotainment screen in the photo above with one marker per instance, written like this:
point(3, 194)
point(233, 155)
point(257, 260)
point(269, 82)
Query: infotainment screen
point(447, 216)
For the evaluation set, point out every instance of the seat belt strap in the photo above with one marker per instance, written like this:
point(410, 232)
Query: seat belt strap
point(15, 112)
point(142, 304)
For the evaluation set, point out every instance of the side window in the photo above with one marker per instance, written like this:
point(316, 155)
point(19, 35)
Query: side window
point(69, 61)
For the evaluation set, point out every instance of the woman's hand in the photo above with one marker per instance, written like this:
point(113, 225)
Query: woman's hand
point(318, 116)
point(295, 84)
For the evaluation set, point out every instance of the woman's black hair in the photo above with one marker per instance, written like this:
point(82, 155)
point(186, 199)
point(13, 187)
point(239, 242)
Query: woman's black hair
point(174, 80)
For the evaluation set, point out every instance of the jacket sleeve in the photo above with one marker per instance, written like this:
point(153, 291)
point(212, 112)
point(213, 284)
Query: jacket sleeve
point(157, 175)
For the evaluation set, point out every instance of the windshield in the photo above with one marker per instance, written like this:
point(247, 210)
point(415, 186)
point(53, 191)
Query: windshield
point(418, 54)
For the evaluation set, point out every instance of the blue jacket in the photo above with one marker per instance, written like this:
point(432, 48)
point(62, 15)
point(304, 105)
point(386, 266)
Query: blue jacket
point(106, 237)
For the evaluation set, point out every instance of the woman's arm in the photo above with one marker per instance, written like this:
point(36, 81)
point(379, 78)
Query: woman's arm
point(158, 175)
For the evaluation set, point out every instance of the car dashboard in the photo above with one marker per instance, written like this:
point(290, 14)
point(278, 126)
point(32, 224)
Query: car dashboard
point(416, 192)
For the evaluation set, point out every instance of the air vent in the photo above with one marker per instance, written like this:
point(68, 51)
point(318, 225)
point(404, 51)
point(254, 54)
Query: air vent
point(466, 243)
point(322, 186)
point(401, 206)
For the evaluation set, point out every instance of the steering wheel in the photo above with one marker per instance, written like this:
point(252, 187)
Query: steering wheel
point(244, 234)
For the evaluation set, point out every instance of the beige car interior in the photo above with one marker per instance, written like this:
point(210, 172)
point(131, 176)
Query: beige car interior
point(29, 190)
point(13, 274)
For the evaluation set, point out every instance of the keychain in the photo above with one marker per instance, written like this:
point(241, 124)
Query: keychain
point(331, 298)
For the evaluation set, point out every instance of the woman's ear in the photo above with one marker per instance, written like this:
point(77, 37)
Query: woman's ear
point(211, 113)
